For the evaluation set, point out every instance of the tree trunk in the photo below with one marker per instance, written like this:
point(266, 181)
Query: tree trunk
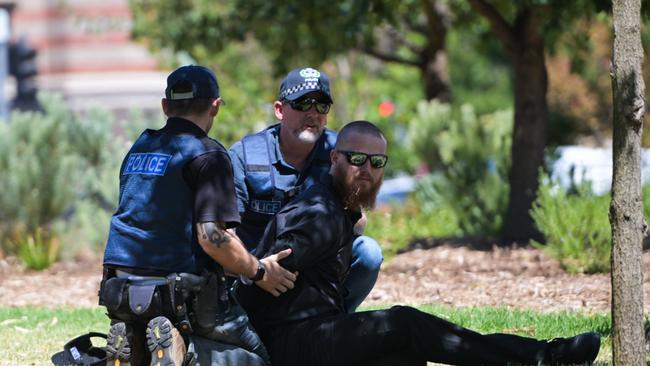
point(436, 76)
point(529, 133)
point(434, 67)
point(626, 208)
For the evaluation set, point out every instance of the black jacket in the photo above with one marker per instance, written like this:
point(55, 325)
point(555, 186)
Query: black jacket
point(319, 231)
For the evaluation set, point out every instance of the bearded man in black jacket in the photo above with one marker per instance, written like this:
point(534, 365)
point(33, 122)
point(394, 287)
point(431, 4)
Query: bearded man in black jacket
point(309, 326)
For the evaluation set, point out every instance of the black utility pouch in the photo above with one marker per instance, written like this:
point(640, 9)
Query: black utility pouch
point(107, 274)
point(113, 293)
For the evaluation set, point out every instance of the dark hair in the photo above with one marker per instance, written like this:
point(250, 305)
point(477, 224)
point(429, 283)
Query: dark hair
point(188, 107)
point(363, 127)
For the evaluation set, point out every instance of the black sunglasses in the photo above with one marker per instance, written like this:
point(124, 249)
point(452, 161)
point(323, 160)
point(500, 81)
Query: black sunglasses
point(304, 105)
point(358, 158)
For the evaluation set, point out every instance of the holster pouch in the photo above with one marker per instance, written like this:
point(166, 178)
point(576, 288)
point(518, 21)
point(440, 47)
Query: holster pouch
point(182, 288)
point(207, 304)
point(219, 317)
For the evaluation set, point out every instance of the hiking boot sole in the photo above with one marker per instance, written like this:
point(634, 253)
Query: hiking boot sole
point(159, 341)
point(118, 347)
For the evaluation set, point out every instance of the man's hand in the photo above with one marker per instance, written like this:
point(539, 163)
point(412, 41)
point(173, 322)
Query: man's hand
point(276, 280)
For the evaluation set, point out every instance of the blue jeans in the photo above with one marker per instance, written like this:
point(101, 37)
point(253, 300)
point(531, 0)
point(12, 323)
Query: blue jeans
point(364, 269)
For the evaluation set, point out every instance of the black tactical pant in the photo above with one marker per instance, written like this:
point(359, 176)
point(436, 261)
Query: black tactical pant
point(397, 336)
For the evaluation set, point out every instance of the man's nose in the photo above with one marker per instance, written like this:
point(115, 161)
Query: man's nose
point(366, 165)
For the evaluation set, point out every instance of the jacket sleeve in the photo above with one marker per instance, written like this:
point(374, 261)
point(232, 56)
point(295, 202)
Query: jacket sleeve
point(311, 230)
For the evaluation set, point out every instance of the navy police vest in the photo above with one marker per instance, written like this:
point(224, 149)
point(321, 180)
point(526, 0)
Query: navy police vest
point(153, 226)
point(268, 190)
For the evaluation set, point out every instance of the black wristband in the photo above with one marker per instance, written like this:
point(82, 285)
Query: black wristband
point(261, 270)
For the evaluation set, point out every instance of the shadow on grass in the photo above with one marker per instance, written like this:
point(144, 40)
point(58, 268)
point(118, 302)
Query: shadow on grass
point(473, 242)
point(479, 243)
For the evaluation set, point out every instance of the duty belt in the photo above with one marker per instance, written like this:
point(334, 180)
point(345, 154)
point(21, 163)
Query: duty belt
point(179, 285)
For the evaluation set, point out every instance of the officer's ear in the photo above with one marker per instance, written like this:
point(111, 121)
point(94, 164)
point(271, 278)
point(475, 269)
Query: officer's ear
point(165, 106)
point(279, 110)
point(214, 107)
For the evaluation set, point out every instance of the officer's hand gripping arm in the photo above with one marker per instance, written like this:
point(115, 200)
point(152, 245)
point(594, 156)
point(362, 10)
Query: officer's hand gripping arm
point(276, 279)
point(226, 248)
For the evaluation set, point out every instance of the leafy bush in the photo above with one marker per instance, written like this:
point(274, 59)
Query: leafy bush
point(576, 226)
point(470, 156)
point(42, 174)
point(60, 181)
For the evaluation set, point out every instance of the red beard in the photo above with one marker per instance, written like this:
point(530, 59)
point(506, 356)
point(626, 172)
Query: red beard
point(354, 192)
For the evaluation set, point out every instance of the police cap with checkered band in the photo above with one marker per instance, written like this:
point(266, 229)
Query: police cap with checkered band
point(299, 82)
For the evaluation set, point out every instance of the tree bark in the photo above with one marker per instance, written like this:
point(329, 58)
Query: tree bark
point(530, 123)
point(435, 73)
point(434, 66)
point(626, 208)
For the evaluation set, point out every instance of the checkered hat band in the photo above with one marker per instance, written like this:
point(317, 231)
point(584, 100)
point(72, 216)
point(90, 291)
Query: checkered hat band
point(308, 85)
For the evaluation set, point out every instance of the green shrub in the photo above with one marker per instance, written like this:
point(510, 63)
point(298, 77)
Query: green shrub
point(470, 157)
point(576, 226)
point(42, 174)
point(84, 233)
point(61, 180)
point(38, 250)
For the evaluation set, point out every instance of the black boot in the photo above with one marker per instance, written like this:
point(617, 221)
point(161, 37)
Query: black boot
point(579, 350)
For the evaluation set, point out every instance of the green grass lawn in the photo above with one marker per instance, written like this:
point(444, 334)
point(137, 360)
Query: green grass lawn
point(29, 336)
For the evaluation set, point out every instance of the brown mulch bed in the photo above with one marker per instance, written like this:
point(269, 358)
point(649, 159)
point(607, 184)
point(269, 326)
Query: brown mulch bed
point(503, 277)
point(446, 274)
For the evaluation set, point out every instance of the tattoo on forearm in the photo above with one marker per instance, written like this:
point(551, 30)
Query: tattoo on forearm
point(214, 234)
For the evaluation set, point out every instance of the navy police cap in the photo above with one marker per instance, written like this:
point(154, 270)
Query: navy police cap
point(299, 82)
point(191, 82)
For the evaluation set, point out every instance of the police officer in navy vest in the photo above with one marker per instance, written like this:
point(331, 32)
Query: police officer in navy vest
point(170, 241)
point(272, 166)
